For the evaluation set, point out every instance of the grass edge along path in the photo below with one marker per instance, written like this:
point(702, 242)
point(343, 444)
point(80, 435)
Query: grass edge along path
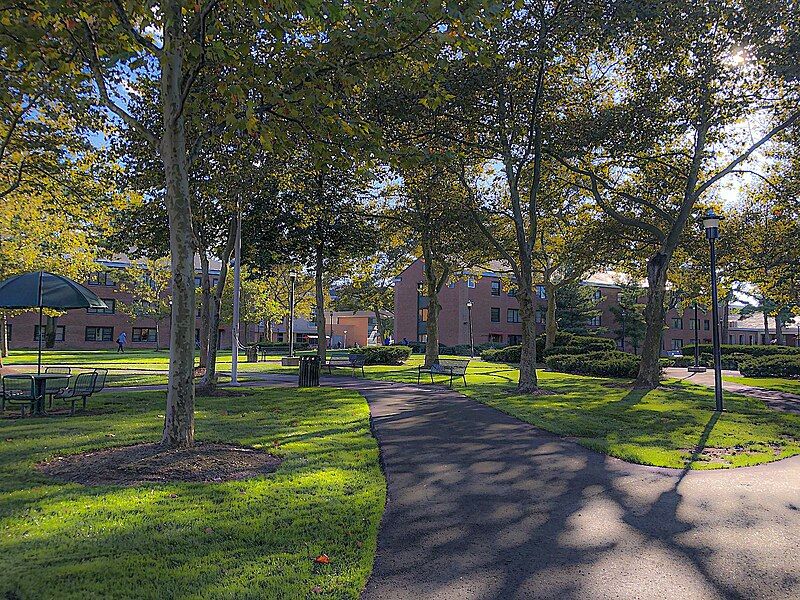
point(778, 384)
point(673, 426)
point(242, 539)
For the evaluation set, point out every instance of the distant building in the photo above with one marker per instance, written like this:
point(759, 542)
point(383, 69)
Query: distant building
point(496, 319)
point(342, 329)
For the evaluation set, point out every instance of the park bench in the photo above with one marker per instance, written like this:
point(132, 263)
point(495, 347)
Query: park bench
point(83, 386)
point(355, 361)
point(452, 367)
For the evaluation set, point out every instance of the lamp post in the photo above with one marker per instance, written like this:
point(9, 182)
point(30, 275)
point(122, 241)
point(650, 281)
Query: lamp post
point(292, 277)
point(696, 368)
point(419, 305)
point(469, 319)
point(330, 345)
point(345, 338)
point(711, 225)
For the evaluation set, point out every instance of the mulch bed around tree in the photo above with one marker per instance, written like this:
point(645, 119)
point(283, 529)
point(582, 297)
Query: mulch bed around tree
point(153, 463)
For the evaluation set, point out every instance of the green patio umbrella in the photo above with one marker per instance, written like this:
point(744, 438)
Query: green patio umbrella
point(41, 290)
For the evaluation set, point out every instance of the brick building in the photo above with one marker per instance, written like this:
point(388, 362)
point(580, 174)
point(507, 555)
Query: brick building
point(92, 329)
point(495, 312)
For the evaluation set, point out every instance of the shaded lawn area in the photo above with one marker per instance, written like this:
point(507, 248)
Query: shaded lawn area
point(791, 386)
point(666, 427)
point(241, 539)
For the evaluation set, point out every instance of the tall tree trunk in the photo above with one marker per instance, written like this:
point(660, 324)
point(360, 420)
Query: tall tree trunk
point(432, 322)
point(50, 332)
point(158, 335)
point(319, 316)
point(654, 313)
point(528, 380)
point(3, 337)
point(726, 313)
point(551, 324)
point(778, 330)
point(209, 380)
point(179, 416)
point(766, 325)
point(205, 308)
point(379, 324)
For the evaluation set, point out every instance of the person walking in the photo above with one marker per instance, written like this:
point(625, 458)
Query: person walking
point(121, 341)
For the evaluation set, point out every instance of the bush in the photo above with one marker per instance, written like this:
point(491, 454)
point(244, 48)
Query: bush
point(771, 366)
point(754, 351)
point(509, 354)
point(598, 364)
point(384, 355)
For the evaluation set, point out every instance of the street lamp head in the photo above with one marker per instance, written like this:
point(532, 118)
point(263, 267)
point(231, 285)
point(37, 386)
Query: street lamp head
point(711, 224)
point(419, 286)
point(469, 303)
point(292, 275)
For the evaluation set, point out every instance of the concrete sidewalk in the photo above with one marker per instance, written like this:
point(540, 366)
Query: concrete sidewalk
point(483, 506)
point(782, 401)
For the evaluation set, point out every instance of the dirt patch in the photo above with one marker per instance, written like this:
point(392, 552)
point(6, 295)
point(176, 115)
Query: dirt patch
point(153, 463)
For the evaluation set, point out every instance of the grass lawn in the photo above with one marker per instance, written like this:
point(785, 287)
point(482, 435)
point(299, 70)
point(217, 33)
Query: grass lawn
point(662, 427)
point(242, 539)
point(791, 386)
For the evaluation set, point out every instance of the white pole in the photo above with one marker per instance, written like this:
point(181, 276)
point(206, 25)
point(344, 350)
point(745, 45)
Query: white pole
point(237, 282)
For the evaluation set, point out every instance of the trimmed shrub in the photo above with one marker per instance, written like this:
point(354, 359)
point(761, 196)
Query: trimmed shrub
point(597, 364)
point(754, 351)
point(384, 355)
point(771, 366)
point(509, 354)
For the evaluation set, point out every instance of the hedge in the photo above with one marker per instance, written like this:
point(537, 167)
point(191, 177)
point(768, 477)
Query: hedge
point(771, 366)
point(384, 355)
point(741, 349)
point(509, 354)
point(567, 343)
point(598, 364)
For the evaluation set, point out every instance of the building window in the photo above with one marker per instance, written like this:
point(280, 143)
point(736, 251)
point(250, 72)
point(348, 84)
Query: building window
point(741, 339)
point(495, 338)
point(677, 344)
point(693, 324)
point(677, 323)
point(707, 325)
point(144, 334)
point(594, 321)
point(750, 338)
point(495, 288)
point(101, 278)
point(514, 340)
point(598, 295)
point(99, 334)
point(451, 284)
point(198, 281)
point(470, 282)
point(541, 293)
point(512, 316)
point(540, 316)
point(59, 333)
point(512, 292)
point(112, 308)
point(495, 312)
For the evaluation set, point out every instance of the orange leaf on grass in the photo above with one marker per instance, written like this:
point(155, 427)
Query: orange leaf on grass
point(322, 559)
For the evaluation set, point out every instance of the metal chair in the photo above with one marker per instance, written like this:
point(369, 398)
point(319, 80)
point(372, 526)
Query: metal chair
point(19, 389)
point(99, 381)
point(52, 386)
point(82, 387)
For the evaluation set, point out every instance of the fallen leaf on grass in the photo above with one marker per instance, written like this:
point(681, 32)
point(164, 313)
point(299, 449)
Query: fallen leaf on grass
point(209, 530)
point(322, 559)
point(317, 589)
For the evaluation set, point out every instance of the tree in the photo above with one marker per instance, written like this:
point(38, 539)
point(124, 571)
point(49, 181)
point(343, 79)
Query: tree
point(629, 314)
point(683, 85)
point(148, 283)
point(510, 93)
point(575, 307)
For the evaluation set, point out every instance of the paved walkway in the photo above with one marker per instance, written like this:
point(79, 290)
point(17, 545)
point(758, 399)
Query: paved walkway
point(483, 506)
point(773, 398)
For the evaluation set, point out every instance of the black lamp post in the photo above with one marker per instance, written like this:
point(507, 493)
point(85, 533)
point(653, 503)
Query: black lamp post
point(469, 319)
point(711, 225)
point(292, 277)
point(330, 344)
point(420, 286)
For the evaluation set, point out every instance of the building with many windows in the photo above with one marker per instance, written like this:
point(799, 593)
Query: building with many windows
point(96, 329)
point(496, 319)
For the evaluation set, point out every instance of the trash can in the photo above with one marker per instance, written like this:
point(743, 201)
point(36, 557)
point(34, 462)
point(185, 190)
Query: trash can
point(309, 371)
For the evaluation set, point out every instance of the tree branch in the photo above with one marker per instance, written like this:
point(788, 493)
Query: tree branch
point(131, 30)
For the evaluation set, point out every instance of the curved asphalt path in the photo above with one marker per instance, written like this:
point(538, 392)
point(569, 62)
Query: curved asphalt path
point(483, 506)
